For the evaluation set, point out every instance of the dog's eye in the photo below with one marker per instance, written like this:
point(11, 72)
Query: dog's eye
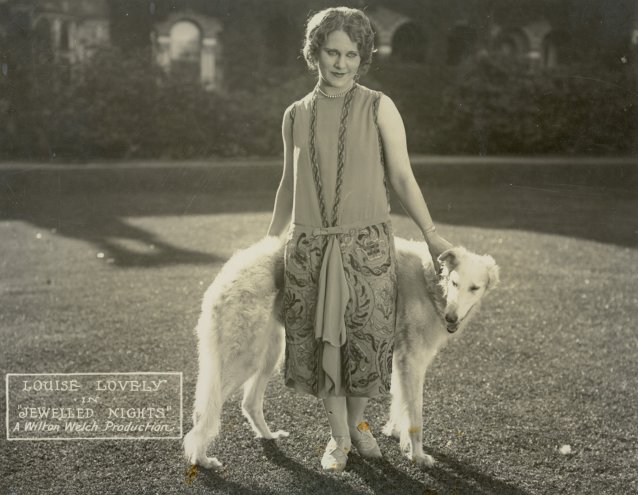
point(455, 285)
point(474, 288)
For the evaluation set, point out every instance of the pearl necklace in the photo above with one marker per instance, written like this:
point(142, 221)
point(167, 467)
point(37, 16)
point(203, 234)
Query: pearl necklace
point(338, 95)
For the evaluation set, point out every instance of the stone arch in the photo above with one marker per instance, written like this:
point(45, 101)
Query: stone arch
point(65, 35)
point(385, 22)
point(554, 49)
point(185, 49)
point(42, 40)
point(186, 41)
point(461, 43)
point(69, 31)
point(43, 30)
point(376, 36)
point(409, 43)
point(512, 43)
point(200, 53)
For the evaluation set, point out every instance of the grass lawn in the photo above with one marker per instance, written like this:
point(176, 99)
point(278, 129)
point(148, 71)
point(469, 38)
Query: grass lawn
point(102, 270)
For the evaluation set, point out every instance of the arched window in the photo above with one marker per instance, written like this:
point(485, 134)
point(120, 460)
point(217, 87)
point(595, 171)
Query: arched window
point(185, 41)
point(185, 49)
point(65, 42)
point(461, 44)
point(383, 48)
point(512, 43)
point(42, 41)
point(409, 44)
point(555, 47)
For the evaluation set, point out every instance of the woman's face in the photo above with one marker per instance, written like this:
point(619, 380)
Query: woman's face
point(338, 62)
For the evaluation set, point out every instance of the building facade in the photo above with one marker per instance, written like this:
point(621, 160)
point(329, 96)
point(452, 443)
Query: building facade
point(188, 37)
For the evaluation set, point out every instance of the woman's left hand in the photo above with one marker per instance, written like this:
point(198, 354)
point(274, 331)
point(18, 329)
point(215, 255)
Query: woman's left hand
point(436, 245)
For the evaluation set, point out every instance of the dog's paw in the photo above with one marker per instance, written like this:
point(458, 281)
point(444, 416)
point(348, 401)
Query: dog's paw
point(203, 461)
point(275, 435)
point(209, 463)
point(389, 430)
point(422, 460)
point(280, 434)
point(206, 462)
point(195, 451)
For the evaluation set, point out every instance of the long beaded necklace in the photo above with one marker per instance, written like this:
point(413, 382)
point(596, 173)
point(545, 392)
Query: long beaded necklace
point(341, 145)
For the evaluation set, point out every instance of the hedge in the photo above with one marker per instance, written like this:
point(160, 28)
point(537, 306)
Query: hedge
point(122, 106)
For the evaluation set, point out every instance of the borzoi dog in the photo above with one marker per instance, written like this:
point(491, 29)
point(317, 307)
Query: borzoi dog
point(241, 338)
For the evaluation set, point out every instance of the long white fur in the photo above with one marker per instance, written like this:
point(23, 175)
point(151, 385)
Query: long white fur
point(240, 343)
point(241, 336)
point(424, 299)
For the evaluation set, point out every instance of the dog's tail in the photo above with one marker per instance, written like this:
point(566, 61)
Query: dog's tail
point(208, 396)
point(209, 390)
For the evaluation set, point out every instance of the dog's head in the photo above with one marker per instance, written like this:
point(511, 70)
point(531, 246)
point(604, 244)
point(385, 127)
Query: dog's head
point(465, 278)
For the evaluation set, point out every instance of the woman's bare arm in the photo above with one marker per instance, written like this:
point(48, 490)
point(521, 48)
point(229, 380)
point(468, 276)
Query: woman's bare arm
point(282, 211)
point(401, 175)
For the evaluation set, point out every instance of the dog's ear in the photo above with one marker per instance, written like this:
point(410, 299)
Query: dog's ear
point(493, 271)
point(448, 258)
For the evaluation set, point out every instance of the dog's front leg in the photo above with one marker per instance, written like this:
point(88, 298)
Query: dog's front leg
point(410, 385)
point(393, 427)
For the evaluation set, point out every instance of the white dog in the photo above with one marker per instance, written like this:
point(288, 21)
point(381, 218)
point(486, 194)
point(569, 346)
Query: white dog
point(241, 337)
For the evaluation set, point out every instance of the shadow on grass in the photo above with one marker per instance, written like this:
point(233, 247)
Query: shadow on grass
point(451, 475)
point(588, 201)
point(582, 200)
point(308, 480)
point(457, 477)
point(93, 206)
point(382, 477)
point(215, 480)
point(108, 237)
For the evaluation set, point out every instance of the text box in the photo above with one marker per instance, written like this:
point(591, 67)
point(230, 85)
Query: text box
point(94, 406)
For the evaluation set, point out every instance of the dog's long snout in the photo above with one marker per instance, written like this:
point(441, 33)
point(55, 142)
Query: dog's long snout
point(451, 318)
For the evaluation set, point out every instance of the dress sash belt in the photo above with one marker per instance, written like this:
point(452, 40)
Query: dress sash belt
point(332, 300)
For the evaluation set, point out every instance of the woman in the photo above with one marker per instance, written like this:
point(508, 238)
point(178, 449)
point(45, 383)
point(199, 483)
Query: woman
point(341, 142)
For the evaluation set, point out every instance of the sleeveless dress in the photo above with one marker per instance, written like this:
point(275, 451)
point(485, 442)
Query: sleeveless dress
point(340, 283)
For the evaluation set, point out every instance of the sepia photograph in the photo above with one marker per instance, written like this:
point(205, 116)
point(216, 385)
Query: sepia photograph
point(319, 247)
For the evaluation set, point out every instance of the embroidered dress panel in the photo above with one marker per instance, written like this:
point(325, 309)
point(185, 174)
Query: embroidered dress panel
point(340, 284)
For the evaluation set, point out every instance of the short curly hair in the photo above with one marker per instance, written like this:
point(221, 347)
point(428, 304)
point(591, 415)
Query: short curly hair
point(352, 21)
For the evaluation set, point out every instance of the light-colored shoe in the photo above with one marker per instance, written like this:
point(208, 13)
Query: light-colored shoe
point(365, 442)
point(336, 455)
